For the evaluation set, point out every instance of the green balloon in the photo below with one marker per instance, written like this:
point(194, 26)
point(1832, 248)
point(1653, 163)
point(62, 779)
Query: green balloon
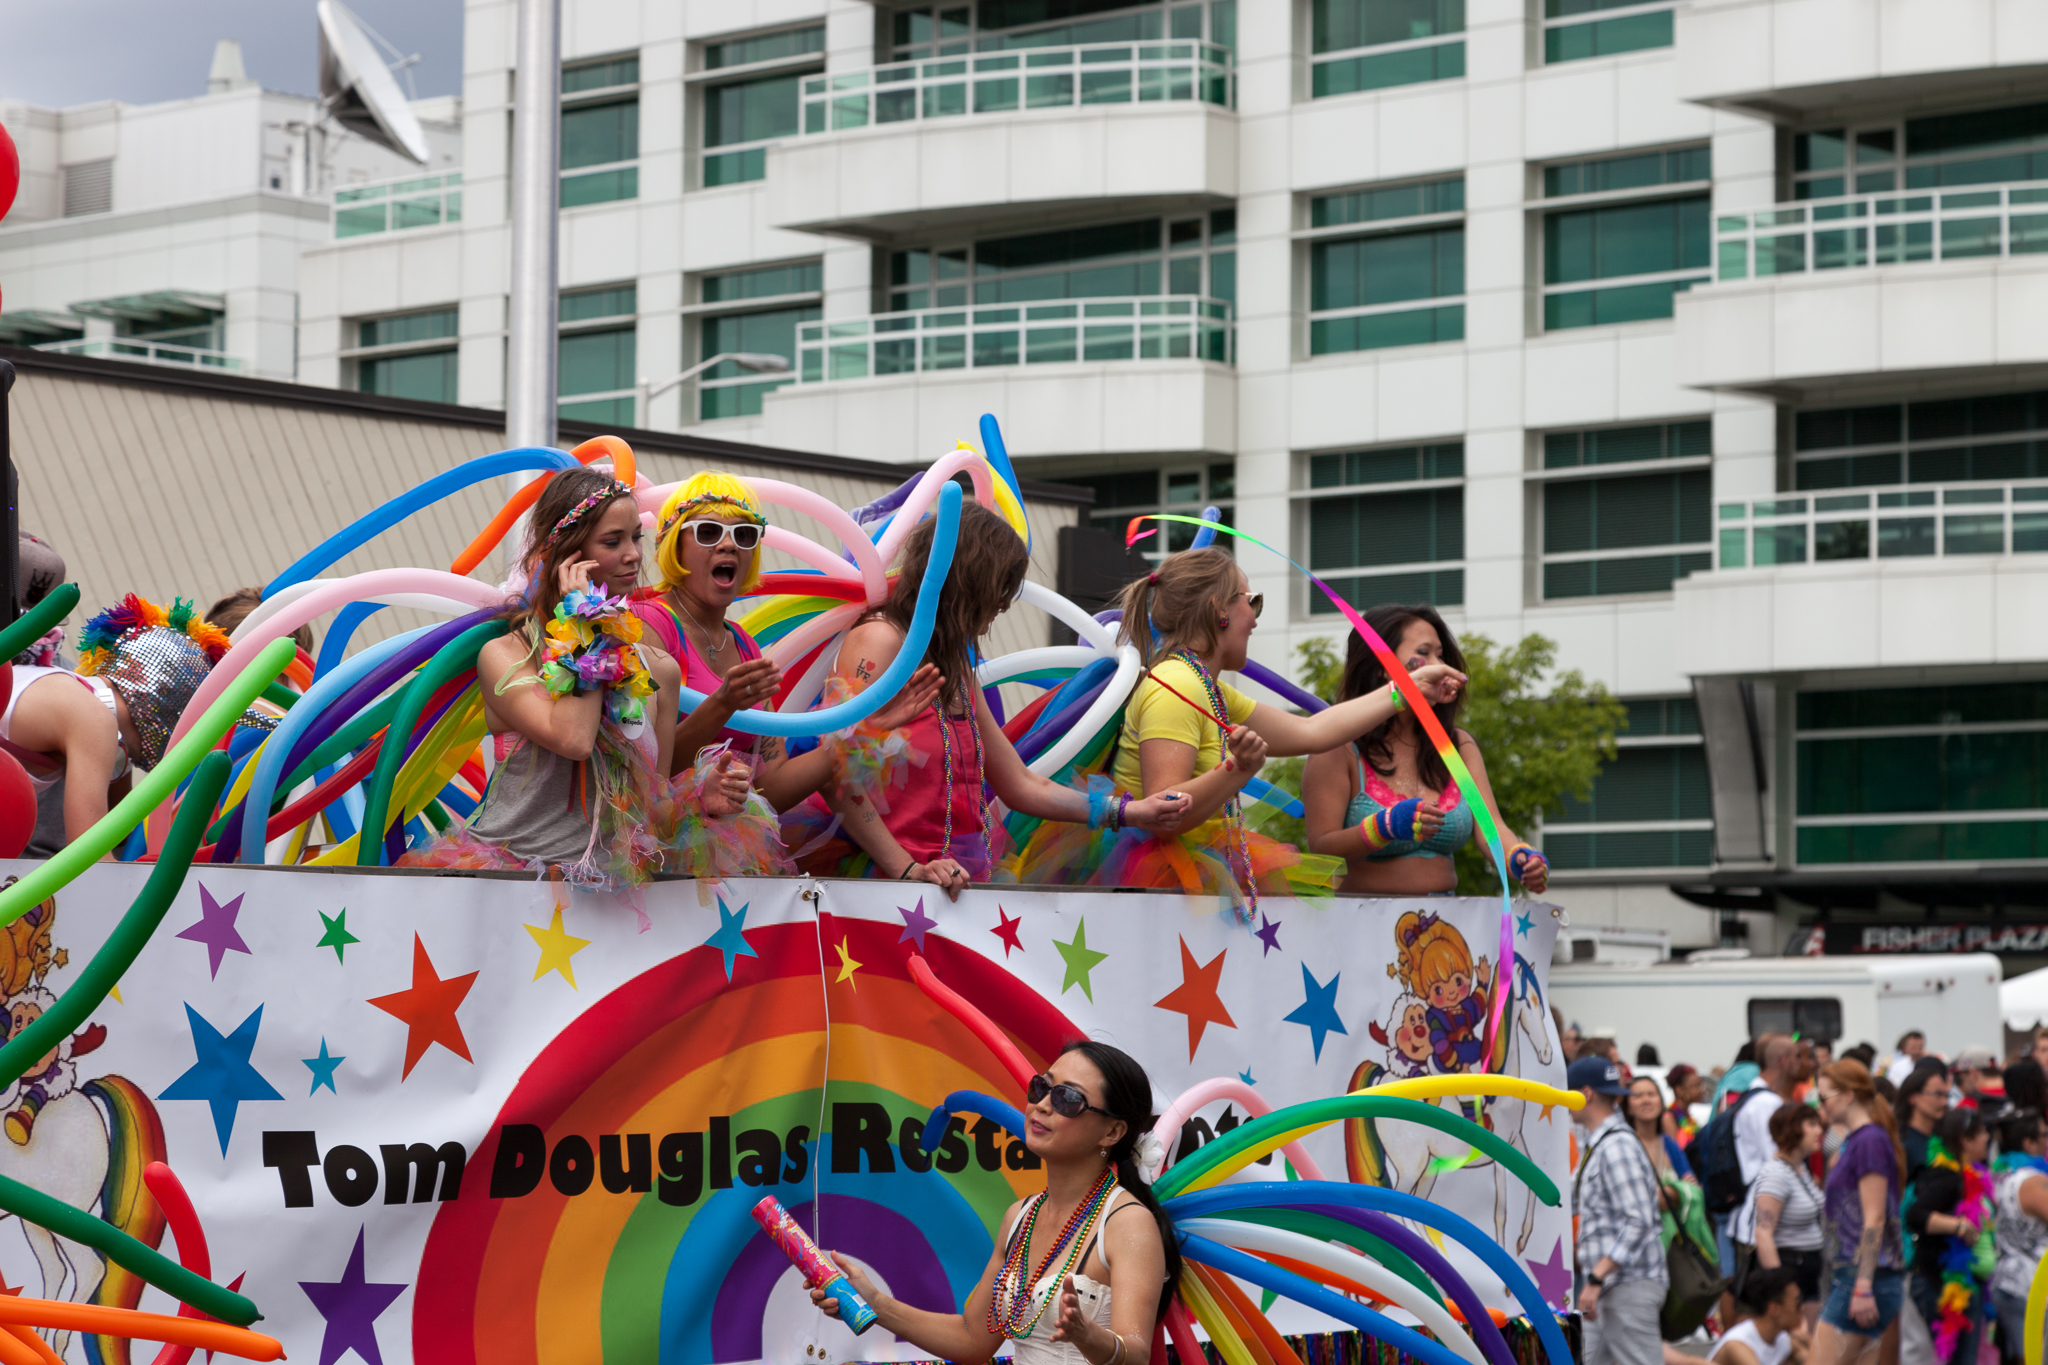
point(457, 656)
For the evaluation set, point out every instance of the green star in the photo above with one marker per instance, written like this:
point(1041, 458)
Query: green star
point(337, 936)
point(1080, 959)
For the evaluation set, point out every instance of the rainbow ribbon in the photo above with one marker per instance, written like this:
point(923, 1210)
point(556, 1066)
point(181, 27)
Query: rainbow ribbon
point(1431, 726)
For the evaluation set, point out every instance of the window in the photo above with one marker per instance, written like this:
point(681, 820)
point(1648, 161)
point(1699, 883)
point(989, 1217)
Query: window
point(1577, 29)
point(1950, 440)
point(1001, 25)
point(726, 390)
point(1363, 289)
point(1181, 490)
point(1642, 250)
point(1981, 147)
point(88, 187)
point(400, 356)
point(595, 364)
point(600, 131)
point(741, 118)
point(1819, 1019)
point(1651, 807)
point(765, 47)
point(1373, 44)
point(1416, 531)
point(1923, 774)
point(1597, 527)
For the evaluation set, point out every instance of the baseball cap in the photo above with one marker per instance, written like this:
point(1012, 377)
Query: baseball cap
point(1976, 1058)
point(1596, 1074)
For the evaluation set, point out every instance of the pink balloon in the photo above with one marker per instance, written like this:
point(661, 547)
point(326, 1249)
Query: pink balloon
point(1227, 1088)
point(921, 497)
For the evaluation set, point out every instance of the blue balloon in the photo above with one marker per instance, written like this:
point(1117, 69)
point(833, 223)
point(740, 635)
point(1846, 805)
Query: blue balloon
point(1307, 1292)
point(968, 1102)
point(347, 621)
point(858, 708)
point(999, 454)
point(1206, 536)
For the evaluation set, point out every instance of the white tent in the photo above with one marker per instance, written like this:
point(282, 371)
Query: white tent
point(2023, 1000)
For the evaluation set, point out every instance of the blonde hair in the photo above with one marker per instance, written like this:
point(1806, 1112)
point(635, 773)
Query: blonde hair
point(1183, 600)
point(1428, 951)
point(711, 492)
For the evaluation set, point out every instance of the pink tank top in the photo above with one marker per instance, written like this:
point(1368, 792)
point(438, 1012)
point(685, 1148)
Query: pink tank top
point(660, 618)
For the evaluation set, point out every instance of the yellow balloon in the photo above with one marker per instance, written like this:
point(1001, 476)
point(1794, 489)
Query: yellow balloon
point(1515, 1087)
point(2037, 1303)
point(1229, 1344)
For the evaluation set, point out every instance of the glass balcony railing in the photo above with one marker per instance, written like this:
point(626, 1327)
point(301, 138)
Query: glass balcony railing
point(1863, 230)
point(1026, 78)
point(1887, 523)
point(1152, 328)
point(148, 352)
point(395, 205)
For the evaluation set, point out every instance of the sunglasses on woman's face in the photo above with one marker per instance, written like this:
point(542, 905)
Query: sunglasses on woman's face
point(711, 534)
point(1068, 1101)
point(1257, 600)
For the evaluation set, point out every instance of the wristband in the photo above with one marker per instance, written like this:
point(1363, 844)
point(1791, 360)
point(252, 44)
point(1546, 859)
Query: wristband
point(1519, 860)
point(1394, 823)
point(1399, 702)
point(1121, 802)
point(1098, 806)
point(908, 868)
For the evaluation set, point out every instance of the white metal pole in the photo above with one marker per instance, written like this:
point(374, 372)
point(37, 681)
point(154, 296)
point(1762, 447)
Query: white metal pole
point(536, 174)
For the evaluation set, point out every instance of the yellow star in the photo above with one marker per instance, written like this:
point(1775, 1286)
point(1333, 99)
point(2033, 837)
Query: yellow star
point(557, 946)
point(1436, 1238)
point(847, 966)
point(115, 991)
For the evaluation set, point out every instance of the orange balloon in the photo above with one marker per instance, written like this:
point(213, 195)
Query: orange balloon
point(596, 448)
point(203, 1333)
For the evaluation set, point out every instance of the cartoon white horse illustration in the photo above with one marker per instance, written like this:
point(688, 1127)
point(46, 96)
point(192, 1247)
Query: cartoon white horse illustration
point(1408, 1156)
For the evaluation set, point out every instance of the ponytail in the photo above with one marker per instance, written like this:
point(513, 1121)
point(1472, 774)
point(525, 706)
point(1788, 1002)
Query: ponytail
point(1183, 600)
point(1127, 1095)
point(1854, 1077)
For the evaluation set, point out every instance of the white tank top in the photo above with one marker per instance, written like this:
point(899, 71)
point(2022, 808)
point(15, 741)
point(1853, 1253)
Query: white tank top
point(1039, 1348)
point(26, 676)
point(1746, 1333)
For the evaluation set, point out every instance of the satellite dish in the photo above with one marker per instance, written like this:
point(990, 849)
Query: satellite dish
point(358, 88)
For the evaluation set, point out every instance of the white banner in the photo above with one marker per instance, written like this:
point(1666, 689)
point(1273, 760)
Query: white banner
point(459, 1120)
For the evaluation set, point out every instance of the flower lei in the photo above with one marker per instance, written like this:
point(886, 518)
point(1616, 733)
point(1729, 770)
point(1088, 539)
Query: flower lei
point(1958, 1281)
point(594, 642)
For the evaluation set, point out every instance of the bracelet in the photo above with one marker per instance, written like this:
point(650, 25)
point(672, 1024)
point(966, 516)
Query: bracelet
point(1118, 1353)
point(1400, 703)
point(1121, 802)
point(593, 642)
point(908, 868)
point(1098, 806)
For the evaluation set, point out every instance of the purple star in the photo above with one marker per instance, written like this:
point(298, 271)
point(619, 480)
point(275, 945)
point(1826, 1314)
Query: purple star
point(351, 1305)
point(1269, 934)
point(1553, 1280)
point(216, 928)
point(915, 922)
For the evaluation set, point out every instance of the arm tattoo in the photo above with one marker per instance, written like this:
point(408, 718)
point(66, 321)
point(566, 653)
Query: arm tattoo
point(1766, 1219)
point(771, 748)
point(1866, 1252)
point(863, 670)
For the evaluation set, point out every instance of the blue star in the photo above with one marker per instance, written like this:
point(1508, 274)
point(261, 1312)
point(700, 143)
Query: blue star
point(730, 940)
point(1524, 923)
point(1319, 1010)
point(1246, 1076)
point(322, 1068)
point(221, 1074)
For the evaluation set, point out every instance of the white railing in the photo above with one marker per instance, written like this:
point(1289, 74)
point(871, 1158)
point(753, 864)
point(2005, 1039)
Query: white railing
point(148, 352)
point(395, 205)
point(1890, 523)
point(1024, 78)
point(1863, 230)
point(1148, 328)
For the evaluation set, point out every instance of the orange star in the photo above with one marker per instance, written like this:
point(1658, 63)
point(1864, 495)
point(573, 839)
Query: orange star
point(1196, 996)
point(428, 1009)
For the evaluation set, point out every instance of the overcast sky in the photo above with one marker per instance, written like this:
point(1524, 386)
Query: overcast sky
point(64, 52)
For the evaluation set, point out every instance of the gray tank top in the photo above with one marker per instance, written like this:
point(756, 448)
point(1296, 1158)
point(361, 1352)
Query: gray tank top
point(535, 808)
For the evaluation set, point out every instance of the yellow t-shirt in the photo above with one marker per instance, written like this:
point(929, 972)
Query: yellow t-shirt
point(1155, 713)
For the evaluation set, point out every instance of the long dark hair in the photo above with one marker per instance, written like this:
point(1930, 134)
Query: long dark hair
point(1127, 1095)
point(1364, 673)
point(989, 561)
point(544, 558)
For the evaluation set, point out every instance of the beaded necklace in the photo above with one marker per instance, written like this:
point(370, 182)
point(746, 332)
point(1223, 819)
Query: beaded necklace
point(1233, 810)
point(980, 774)
point(1073, 1240)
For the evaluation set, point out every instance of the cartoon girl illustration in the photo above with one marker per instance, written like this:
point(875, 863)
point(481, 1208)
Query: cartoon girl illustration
point(1436, 966)
point(52, 1077)
point(1406, 1038)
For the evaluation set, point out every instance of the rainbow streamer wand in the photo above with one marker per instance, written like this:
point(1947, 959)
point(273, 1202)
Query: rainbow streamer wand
point(1431, 726)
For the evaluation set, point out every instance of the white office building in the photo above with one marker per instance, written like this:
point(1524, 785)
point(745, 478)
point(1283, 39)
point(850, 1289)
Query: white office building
point(1698, 337)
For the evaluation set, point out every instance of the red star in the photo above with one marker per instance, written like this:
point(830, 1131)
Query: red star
point(1007, 931)
point(428, 1009)
point(11, 1290)
point(1196, 996)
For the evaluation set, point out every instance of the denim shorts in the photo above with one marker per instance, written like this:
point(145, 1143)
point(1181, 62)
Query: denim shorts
point(1888, 1288)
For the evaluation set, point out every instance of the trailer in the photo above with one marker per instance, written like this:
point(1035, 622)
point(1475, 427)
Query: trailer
point(1702, 1012)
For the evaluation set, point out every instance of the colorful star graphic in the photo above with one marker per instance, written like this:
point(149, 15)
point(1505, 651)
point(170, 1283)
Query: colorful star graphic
point(351, 1305)
point(221, 1073)
point(557, 946)
point(915, 923)
point(1006, 930)
point(731, 938)
point(1319, 1010)
point(428, 1008)
point(1196, 996)
point(847, 966)
point(1524, 923)
point(1246, 1076)
point(1553, 1280)
point(322, 1068)
point(216, 929)
point(337, 936)
point(1268, 934)
point(1080, 960)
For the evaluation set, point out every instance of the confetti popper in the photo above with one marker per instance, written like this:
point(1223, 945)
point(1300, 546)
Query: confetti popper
point(819, 1271)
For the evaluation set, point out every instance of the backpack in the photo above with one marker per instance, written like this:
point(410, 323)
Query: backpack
point(1712, 1154)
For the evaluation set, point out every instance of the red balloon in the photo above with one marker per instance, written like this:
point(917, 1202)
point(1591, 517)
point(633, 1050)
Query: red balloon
point(17, 806)
point(10, 171)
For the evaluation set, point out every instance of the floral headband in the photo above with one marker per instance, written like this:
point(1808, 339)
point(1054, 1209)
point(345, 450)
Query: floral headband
point(668, 523)
point(613, 489)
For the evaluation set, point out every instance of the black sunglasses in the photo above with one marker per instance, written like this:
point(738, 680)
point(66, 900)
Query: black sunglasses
point(1068, 1101)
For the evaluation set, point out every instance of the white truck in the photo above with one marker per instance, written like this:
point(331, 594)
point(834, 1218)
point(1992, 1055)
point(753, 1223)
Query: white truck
point(1701, 1012)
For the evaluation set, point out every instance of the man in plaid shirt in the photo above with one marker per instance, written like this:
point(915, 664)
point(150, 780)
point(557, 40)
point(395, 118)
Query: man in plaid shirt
point(1619, 1249)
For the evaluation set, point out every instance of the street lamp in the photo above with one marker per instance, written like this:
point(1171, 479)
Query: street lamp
point(758, 362)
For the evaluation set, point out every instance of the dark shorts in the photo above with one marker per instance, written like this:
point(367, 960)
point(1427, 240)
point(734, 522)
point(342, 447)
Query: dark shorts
point(1807, 1265)
point(1888, 1288)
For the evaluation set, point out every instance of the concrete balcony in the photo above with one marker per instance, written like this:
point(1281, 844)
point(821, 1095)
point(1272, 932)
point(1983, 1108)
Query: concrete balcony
point(1818, 298)
point(1790, 60)
point(916, 147)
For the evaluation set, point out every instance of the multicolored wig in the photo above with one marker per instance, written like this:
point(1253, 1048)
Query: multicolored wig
point(704, 494)
point(155, 659)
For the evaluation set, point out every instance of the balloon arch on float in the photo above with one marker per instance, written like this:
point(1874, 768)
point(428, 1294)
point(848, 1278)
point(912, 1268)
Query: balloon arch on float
point(382, 745)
